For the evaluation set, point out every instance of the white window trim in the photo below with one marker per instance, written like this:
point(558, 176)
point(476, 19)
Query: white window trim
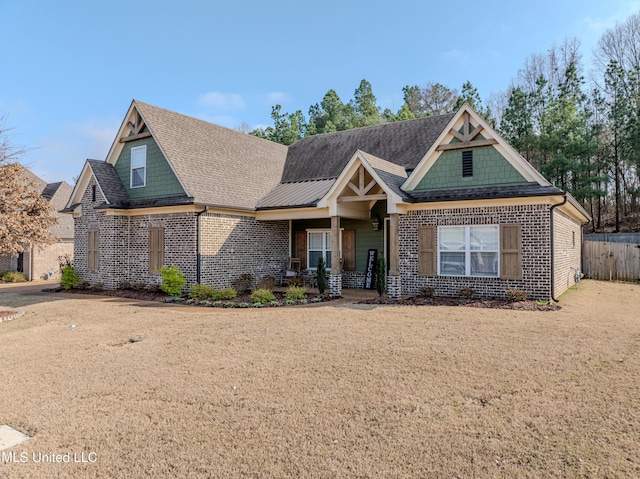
point(321, 230)
point(144, 176)
point(468, 251)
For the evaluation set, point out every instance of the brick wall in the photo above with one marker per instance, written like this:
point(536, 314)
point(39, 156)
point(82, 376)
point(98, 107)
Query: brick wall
point(536, 262)
point(46, 262)
point(567, 249)
point(235, 245)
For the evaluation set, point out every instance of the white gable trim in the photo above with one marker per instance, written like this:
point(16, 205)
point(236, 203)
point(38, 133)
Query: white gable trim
point(330, 200)
point(125, 129)
point(507, 151)
point(81, 185)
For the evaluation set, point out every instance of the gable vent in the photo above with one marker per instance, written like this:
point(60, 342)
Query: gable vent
point(467, 163)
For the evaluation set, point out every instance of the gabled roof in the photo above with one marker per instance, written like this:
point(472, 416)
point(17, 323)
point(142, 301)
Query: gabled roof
point(109, 182)
point(325, 156)
point(215, 165)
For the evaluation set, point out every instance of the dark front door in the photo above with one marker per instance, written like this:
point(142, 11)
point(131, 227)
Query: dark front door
point(20, 267)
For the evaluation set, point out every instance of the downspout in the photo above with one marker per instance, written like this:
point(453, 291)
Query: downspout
point(31, 263)
point(553, 207)
point(198, 255)
point(128, 248)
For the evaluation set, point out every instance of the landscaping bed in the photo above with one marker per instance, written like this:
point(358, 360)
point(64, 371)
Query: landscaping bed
point(471, 303)
point(242, 300)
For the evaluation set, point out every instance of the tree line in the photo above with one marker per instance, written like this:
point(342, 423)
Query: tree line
point(580, 129)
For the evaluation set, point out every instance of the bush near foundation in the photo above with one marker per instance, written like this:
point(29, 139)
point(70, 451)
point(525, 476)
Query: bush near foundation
point(69, 278)
point(173, 280)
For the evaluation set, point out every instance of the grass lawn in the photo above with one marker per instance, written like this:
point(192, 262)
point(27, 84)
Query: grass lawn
point(328, 391)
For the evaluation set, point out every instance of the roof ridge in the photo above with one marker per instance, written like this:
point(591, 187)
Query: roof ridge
point(208, 123)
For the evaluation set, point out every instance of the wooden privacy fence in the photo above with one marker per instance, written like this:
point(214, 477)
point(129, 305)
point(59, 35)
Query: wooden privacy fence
point(611, 261)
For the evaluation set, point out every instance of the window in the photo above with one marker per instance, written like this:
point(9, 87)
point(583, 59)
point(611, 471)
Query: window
point(318, 244)
point(156, 248)
point(469, 250)
point(92, 249)
point(467, 163)
point(93, 192)
point(138, 166)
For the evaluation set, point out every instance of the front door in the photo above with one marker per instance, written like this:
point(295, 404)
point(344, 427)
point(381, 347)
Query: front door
point(20, 267)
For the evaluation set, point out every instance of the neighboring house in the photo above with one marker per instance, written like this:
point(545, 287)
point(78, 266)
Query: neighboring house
point(445, 199)
point(43, 261)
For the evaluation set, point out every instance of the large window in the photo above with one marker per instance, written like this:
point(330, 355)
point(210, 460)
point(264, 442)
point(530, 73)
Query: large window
point(469, 250)
point(138, 166)
point(318, 244)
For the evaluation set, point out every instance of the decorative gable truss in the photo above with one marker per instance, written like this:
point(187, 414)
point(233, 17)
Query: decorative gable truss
point(468, 130)
point(136, 126)
point(360, 185)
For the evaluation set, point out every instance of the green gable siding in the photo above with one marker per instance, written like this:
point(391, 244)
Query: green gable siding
point(160, 181)
point(490, 168)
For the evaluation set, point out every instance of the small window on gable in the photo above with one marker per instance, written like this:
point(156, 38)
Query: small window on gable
point(93, 192)
point(138, 166)
point(467, 163)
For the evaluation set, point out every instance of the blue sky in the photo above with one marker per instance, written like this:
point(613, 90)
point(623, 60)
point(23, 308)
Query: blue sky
point(71, 68)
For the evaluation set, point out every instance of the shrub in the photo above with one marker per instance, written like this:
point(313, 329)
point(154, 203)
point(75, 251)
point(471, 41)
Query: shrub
point(216, 304)
point(262, 296)
point(257, 305)
point(153, 288)
point(173, 280)
point(224, 294)
point(201, 291)
point(290, 302)
point(427, 291)
point(97, 287)
point(243, 283)
point(229, 304)
point(243, 305)
point(274, 303)
point(466, 293)
point(517, 295)
point(295, 292)
point(381, 275)
point(14, 277)
point(69, 278)
point(316, 300)
point(189, 301)
point(124, 285)
point(83, 285)
point(267, 282)
point(322, 275)
point(205, 302)
point(302, 301)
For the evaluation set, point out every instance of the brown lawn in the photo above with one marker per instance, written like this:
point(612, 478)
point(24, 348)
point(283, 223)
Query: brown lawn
point(327, 391)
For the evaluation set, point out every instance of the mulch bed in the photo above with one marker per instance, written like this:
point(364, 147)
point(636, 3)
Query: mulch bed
point(471, 303)
point(161, 297)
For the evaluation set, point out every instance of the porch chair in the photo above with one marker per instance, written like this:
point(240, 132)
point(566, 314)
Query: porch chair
point(292, 272)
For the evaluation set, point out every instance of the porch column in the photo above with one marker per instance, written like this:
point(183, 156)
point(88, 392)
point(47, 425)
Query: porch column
point(335, 278)
point(394, 287)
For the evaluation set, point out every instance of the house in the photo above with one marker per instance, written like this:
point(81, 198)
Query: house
point(445, 199)
point(43, 261)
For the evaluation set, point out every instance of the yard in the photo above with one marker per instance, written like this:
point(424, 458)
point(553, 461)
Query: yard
point(333, 390)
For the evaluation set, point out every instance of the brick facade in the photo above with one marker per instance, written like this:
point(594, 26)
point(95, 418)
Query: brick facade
point(230, 245)
point(235, 245)
point(536, 277)
point(568, 251)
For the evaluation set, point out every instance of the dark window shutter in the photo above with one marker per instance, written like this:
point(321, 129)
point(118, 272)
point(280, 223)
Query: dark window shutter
point(511, 251)
point(349, 250)
point(301, 248)
point(427, 250)
point(92, 249)
point(467, 163)
point(156, 248)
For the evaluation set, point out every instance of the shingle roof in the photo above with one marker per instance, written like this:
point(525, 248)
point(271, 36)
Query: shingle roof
point(515, 191)
point(297, 194)
point(58, 194)
point(149, 203)
point(109, 181)
point(216, 165)
point(324, 156)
